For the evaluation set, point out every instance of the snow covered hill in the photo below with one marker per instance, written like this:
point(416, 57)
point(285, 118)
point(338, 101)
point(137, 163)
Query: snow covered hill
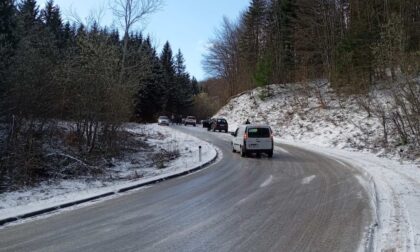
point(323, 119)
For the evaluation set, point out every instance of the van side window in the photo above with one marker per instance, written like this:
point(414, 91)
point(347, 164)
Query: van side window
point(236, 132)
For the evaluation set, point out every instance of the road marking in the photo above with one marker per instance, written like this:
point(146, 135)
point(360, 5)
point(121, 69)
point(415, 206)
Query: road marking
point(267, 181)
point(308, 180)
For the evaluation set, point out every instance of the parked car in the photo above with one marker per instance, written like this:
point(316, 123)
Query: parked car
point(253, 139)
point(190, 120)
point(163, 120)
point(219, 124)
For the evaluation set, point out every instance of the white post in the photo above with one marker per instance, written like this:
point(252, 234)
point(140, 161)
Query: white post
point(199, 153)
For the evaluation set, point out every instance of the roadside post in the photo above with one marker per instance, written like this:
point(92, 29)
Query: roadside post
point(199, 153)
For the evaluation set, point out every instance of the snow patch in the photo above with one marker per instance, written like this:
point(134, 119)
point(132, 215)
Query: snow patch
point(308, 180)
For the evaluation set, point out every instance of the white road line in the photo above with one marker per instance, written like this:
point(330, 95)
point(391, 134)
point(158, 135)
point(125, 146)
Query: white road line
point(308, 180)
point(267, 181)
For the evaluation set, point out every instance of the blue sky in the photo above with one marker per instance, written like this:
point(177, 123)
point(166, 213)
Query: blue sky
point(186, 24)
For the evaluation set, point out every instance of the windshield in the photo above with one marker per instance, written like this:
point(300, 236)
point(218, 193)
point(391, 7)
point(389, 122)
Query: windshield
point(258, 132)
point(163, 117)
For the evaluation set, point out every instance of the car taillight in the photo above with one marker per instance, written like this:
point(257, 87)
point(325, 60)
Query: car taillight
point(245, 136)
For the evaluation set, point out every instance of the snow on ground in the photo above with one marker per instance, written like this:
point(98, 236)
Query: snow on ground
point(345, 132)
point(394, 188)
point(129, 173)
point(296, 115)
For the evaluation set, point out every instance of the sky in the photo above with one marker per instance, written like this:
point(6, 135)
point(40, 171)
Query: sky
point(186, 24)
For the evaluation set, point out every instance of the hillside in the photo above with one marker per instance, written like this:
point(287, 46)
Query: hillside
point(324, 119)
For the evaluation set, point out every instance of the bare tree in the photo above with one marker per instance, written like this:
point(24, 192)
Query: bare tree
point(222, 59)
point(129, 13)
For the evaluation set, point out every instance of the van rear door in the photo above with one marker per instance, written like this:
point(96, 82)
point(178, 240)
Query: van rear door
point(259, 138)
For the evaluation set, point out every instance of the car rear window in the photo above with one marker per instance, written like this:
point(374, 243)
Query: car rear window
point(221, 120)
point(163, 117)
point(191, 117)
point(258, 132)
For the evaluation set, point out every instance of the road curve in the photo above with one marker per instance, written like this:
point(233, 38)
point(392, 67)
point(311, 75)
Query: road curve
point(297, 201)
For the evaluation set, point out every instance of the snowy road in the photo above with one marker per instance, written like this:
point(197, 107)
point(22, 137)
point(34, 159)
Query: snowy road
point(297, 201)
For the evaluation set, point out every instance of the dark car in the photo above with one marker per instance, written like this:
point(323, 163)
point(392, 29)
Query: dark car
point(219, 124)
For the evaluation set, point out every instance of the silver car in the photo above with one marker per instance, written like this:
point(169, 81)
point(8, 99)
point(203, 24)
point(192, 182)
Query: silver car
point(163, 120)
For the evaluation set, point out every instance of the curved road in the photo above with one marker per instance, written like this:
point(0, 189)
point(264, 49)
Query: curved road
point(297, 201)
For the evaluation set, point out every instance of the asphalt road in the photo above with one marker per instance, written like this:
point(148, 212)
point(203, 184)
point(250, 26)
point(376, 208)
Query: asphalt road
point(297, 201)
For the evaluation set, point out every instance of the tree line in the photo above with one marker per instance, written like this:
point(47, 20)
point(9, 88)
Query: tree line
point(364, 49)
point(83, 74)
point(352, 43)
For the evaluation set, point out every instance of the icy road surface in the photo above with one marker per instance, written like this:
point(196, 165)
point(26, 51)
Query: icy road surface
point(297, 201)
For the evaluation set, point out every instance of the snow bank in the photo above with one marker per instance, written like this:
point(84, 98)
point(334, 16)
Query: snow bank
point(53, 194)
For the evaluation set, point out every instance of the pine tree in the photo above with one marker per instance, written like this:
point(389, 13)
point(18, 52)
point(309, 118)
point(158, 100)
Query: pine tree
point(252, 42)
point(52, 20)
point(7, 23)
point(195, 86)
point(68, 36)
point(179, 64)
point(29, 16)
point(167, 62)
point(183, 85)
point(281, 44)
point(8, 41)
point(149, 99)
point(354, 57)
point(31, 76)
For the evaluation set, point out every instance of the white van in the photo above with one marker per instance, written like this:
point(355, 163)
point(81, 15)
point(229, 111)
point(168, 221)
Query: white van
point(253, 139)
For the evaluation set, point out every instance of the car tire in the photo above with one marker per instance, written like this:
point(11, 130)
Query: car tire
point(243, 151)
point(195, 125)
point(270, 154)
point(233, 148)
